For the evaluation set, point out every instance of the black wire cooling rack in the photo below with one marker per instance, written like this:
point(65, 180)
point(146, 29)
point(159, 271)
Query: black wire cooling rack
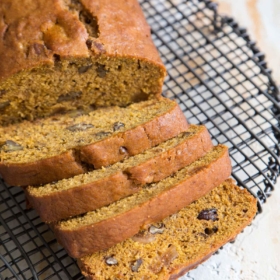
point(220, 79)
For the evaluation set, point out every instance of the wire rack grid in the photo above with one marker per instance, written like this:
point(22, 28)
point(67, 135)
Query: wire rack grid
point(220, 79)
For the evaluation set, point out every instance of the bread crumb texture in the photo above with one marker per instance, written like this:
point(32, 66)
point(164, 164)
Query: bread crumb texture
point(179, 241)
point(98, 174)
point(74, 54)
point(44, 138)
point(144, 195)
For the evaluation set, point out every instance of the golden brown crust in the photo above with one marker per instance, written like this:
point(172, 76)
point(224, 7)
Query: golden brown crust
point(102, 235)
point(135, 140)
point(45, 170)
point(185, 268)
point(84, 198)
point(34, 31)
point(173, 160)
point(102, 153)
point(123, 29)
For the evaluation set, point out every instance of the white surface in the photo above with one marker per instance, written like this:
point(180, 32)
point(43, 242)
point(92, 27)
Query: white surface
point(255, 253)
point(262, 19)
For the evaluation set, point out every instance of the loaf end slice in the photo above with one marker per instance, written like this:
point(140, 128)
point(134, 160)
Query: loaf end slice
point(104, 227)
point(179, 243)
point(87, 192)
point(63, 146)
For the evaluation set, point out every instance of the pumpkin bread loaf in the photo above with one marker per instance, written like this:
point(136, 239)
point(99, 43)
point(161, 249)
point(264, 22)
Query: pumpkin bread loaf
point(178, 243)
point(47, 150)
point(61, 55)
point(87, 192)
point(106, 226)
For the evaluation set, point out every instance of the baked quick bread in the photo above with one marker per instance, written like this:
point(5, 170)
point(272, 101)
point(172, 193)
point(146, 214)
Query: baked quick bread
point(66, 145)
point(180, 242)
point(106, 226)
point(62, 55)
point(87, 192)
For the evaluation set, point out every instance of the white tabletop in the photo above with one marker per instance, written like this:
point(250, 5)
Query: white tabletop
point(256, 252)
point(261, 18)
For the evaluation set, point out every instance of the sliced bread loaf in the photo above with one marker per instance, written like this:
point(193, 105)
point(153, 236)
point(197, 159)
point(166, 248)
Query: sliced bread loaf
point(63, 146)
point(86, 192)
point(106, 226)
point(180, 242)
point(61, 55)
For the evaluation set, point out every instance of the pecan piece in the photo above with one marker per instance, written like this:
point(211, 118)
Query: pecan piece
point(79, 127)
point(208, 214)
point(118, 126)
point(11, 146)
point(111, 260)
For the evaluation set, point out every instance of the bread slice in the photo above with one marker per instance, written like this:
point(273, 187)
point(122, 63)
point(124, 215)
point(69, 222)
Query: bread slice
point(67, 145)
point(180, 242)
point(87, 192)
point(106, 226)
point(61, 55)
